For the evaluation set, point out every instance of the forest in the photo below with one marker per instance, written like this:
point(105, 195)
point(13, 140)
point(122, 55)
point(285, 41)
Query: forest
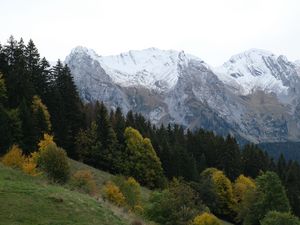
point(196, 175)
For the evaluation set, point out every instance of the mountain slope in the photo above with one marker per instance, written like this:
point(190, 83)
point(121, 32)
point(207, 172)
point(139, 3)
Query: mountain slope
point(29, 200)
point(254, 96)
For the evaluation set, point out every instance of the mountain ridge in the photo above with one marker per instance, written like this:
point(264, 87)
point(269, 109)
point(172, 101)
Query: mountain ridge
point(253, 95)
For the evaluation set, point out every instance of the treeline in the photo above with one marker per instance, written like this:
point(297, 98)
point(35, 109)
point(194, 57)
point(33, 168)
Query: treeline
point(36, 99)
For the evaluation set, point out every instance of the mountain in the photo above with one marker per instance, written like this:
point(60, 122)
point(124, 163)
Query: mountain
point(254, 96)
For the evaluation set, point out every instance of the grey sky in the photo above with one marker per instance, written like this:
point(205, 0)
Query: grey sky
point(210, 29)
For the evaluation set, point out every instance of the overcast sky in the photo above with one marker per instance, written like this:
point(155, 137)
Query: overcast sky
point(210, 29)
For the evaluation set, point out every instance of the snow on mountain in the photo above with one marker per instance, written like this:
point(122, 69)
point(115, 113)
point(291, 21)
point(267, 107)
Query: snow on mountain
point(254, 70)
point(152, 68)
point(255, 95)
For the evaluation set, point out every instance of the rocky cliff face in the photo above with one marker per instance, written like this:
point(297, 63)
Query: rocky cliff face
point(255, 95)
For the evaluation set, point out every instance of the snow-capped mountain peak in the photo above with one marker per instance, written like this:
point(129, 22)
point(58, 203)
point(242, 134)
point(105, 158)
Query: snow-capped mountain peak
point(153, 68)
point(257, 69)
point(254, 95)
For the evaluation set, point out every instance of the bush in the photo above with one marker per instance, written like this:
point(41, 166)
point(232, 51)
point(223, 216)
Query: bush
point(54, 162)
point(83, 180)
point(279, 218)
point(179, 204)
point(113, 194)
point(14, 157)
point(131, 190)
point(206, 219)
point(30, 165)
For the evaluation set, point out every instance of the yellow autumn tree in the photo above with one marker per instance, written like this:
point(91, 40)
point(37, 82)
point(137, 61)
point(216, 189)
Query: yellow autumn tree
point(47, 140)
point(206, 219)
point(218, 192)
point(41, 115)
point(242, 185)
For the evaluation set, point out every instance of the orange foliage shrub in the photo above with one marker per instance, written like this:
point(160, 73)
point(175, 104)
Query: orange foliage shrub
point(30, 166)
point(84, 181)
point(14, 157)
point(113, 194)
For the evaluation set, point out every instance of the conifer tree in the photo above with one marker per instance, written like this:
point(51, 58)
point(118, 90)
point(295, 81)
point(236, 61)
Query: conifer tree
point(10, 129)
point(106, 136)
point(229, 158)
point(88, 146)
point(29, 134)
point(67, 107)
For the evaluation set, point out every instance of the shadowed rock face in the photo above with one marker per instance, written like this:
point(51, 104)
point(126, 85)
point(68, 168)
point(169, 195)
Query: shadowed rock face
point(254, 96)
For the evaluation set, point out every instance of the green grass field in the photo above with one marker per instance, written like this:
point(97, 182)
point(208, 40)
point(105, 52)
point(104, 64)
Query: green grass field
point(26, 200)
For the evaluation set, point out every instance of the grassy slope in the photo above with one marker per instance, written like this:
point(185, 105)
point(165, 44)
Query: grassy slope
point(26, 200)
point(101, 177)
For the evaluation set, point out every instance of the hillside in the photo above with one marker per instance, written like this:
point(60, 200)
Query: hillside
point(31, 200)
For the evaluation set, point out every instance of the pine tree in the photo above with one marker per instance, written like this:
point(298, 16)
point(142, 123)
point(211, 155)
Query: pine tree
point(88, 146)
point(254, 161)
point(229, 158)
point(10, 129)
point(19, 86)
point(292, 184)
point(107, 137)
point(119, 125)
point(67, 107)
point(29, 134)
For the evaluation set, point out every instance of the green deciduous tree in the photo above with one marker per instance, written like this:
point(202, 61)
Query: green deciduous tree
point(279, 218)
point(269, 195)
point(177, 205)
point(142, 161)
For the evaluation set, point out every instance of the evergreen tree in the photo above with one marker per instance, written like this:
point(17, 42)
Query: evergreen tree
point(18, 84)
point(67, 107)
point(10, 129)
point(119, 124)
point(88, 146)
point(229, 158)
point(106, 136)
point(254, 161)
point(292, 184)
point(29, 135)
